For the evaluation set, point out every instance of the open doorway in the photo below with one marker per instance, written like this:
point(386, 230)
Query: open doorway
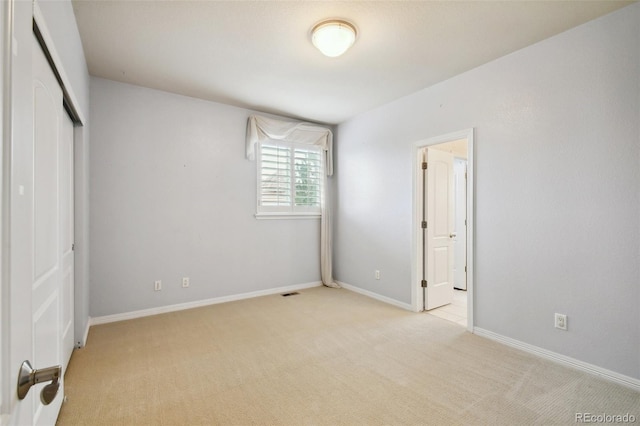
point(443, 219)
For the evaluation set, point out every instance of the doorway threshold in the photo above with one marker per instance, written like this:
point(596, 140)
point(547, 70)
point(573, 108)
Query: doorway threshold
point(456, 311)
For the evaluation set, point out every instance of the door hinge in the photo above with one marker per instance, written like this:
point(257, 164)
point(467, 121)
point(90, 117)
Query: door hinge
point(465, 175)
point(465, 269)
point(73, 247)
point(423, 283)
point(424, 224)
point(424, 165)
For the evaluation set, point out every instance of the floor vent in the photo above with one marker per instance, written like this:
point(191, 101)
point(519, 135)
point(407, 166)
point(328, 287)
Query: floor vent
point(290, 294)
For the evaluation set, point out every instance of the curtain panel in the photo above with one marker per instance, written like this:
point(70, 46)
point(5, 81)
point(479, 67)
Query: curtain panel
point(262, 128)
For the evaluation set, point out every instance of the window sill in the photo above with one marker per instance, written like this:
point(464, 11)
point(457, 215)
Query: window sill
point(278, 215)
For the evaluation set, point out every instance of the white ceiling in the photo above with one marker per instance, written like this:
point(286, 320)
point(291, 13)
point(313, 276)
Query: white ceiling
point(258, 54)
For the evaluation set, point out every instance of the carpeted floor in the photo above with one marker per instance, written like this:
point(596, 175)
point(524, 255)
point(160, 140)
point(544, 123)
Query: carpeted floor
point(323, 357)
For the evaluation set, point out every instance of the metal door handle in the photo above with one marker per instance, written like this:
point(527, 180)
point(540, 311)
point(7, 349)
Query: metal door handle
point(452, 235)
point(29, 377)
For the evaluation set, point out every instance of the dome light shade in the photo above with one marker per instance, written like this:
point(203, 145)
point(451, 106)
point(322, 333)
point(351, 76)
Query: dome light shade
point(333, 37)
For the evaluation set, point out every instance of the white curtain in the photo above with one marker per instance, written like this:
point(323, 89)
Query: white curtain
point(326, 241)
point(262, 128)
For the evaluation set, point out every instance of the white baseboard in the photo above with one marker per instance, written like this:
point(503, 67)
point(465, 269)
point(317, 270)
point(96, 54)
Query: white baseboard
point(376, 296)
point(612, 376)
point(199, 303)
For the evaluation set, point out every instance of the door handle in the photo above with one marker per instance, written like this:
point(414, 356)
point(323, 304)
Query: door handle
point(452, 235)
point(28, 377)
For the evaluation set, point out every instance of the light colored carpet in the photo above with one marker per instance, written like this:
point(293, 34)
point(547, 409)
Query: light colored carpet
point(323, 357)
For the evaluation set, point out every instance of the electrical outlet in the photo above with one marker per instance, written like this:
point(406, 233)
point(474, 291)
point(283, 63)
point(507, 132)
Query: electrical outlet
point(377, 273)
point(185, 282)
point(158, 285)
point(561, 321)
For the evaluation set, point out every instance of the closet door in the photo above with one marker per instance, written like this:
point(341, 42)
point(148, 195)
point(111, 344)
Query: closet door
point(47, 277)
point(66, 237)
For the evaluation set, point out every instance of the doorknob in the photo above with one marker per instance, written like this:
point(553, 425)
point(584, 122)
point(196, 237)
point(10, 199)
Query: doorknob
point(29, 377)
point(452, 235)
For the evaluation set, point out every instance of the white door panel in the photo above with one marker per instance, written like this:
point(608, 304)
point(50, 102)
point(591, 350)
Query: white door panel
point(41, 232)
point(439, 246)
point(46, 303)
point(45, 209)
point(66, 237)
point(39, 220)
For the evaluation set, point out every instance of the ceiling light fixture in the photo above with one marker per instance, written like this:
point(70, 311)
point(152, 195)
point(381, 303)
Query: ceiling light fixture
point(333, 37)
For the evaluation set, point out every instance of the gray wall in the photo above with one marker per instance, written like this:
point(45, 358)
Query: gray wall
point(61, 23)
point(557, 190)
point(172, 195)
point(62, 26)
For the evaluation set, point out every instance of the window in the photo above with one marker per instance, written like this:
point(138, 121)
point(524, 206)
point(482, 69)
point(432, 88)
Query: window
point(289, 179)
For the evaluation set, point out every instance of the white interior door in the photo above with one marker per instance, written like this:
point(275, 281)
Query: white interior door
point(439, 215)
point(460, 227)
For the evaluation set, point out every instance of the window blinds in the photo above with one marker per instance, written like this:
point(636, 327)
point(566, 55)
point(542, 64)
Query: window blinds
point(290, 177)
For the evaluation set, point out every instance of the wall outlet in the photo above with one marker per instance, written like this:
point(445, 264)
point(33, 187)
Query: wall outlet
point(185, 282)
point(377, 274)
point(561, 321)
point(157, 285)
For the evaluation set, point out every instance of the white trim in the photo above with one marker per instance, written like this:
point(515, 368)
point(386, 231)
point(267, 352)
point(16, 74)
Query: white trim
point(51, 47)
point(83, 343)
point(5, 208)
point(376, 296)
point(612, 376)
point(416, 250)
point(199, 303)
point(275, 215)
point(471, 220)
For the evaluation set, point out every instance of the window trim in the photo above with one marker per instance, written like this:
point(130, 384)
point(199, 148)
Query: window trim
point(303, 212)
point(285, 215)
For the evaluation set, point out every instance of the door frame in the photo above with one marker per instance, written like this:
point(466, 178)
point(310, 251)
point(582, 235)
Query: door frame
point(457, 210)
point(418, 199)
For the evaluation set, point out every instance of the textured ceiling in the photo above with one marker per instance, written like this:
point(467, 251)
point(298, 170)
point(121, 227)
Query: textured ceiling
point(258, 54)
